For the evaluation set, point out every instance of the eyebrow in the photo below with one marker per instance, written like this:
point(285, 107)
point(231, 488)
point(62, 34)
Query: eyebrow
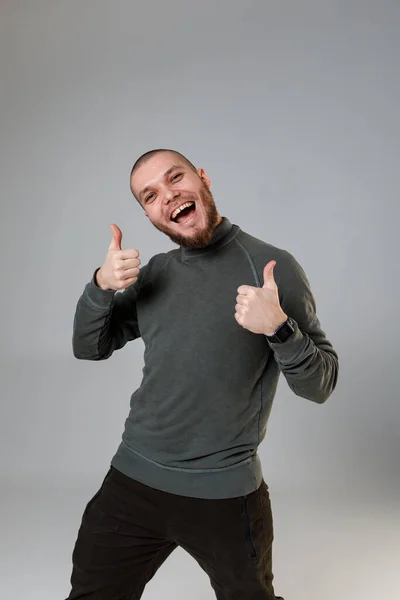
point(167, 172)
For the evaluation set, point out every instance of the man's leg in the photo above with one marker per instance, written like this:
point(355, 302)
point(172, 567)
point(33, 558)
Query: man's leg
point(120, 543)
point(231, 539)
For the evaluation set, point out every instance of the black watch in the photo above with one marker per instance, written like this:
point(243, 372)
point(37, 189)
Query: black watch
point(284, 331)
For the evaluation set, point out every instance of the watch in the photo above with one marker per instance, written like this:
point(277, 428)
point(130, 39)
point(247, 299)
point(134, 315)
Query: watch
point(284, 331)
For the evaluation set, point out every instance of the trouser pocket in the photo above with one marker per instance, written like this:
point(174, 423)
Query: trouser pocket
point(257, 523)
point(248, 528)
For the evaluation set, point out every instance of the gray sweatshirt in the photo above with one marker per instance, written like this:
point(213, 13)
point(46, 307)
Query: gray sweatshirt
point(201, 411)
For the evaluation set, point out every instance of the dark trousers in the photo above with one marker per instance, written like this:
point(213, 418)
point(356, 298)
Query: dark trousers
point(129, 529)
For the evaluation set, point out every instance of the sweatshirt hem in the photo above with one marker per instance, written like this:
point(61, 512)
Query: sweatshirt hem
point(230, 482)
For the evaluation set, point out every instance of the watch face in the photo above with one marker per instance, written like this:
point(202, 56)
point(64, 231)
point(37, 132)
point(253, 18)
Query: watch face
point(285, 331)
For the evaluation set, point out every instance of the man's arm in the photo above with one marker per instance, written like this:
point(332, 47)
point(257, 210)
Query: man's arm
point(307, 359)
point(105, 320)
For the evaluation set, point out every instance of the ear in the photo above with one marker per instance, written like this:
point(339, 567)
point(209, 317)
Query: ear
point(204, 177)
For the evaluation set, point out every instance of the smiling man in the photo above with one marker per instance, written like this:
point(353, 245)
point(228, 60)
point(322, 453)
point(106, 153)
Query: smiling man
point(221, 317)
point(187, 213)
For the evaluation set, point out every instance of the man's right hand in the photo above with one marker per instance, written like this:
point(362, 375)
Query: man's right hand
point(121, 267)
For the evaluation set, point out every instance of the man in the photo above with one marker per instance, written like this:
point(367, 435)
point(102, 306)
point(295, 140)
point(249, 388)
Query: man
point(221, 317)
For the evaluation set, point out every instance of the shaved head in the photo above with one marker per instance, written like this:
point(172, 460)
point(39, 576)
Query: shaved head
point(147, 155)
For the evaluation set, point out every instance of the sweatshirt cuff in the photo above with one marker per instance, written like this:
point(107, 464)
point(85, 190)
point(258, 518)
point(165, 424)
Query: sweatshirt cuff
point(287, 352)
point(98, 297)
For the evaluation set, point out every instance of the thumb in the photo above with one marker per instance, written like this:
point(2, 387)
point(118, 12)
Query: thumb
point(116, 238)
point(269, 274)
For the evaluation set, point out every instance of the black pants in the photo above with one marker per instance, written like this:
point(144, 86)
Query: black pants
point(129, 529)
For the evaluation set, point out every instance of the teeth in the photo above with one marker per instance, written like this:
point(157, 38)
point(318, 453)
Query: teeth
point(178, 210)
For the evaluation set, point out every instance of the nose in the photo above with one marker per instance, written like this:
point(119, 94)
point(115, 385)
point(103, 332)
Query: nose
point(170, 194)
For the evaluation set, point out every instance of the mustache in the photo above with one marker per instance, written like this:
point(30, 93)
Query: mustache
point(189, 197)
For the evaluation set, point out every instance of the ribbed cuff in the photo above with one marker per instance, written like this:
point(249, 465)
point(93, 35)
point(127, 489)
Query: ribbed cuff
point(288, 351)
point(98, 297)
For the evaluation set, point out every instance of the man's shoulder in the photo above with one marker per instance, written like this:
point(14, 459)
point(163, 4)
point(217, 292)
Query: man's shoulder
point(260, 252)
point(259, 248)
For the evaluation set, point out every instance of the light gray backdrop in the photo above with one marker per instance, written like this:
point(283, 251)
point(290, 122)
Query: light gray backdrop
point(292, 107)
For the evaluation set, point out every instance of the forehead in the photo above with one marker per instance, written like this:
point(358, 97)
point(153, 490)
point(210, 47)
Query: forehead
point(154, 169)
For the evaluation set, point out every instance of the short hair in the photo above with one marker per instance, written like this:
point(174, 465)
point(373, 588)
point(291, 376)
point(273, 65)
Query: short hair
point(145, 157)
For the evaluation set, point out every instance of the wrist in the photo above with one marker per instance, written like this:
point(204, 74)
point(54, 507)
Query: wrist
point(98, 280)
point(282, 319)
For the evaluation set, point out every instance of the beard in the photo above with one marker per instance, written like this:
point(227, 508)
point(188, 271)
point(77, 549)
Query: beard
point(198, 238)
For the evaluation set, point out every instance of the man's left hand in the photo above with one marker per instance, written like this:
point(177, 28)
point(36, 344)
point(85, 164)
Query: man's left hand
point(258, 309)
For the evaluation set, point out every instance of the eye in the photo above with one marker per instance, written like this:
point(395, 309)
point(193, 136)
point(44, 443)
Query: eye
point(149, 197)
point(175, 176)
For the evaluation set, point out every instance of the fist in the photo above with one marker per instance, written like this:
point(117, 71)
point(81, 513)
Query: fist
point(121, 267)
point(258, 309)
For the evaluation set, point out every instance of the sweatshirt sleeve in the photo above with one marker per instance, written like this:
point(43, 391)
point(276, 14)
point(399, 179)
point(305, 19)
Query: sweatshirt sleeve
point(307, 359)
point(105, 320)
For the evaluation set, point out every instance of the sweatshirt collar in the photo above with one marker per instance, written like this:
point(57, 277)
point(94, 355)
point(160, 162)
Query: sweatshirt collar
point(223, 233)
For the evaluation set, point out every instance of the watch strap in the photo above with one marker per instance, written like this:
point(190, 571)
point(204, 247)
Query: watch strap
point(283, 332)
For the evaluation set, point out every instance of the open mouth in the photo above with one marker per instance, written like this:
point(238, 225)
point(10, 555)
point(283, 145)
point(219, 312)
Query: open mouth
point(185, 214)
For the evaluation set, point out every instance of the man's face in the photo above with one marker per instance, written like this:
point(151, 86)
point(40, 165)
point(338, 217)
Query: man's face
point(165, 182)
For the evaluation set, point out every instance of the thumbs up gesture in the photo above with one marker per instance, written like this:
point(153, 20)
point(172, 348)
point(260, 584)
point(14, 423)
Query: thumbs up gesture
point(258, 309)
point(121, 267)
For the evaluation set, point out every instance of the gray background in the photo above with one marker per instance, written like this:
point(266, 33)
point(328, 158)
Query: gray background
point(292, 109)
